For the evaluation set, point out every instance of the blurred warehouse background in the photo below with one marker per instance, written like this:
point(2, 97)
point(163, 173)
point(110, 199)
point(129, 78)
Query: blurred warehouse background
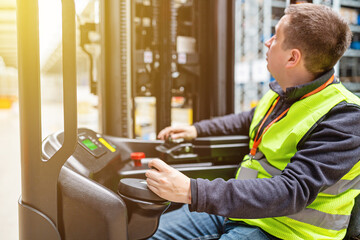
point(213, 64)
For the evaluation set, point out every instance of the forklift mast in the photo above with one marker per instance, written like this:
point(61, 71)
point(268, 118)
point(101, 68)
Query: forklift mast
point(165, 49)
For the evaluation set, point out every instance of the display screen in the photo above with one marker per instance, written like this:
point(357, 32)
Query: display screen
point(89, 144)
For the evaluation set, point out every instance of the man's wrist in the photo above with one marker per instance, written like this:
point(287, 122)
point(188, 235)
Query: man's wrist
point(196, 130)
point(193, 188)
point(189, 193)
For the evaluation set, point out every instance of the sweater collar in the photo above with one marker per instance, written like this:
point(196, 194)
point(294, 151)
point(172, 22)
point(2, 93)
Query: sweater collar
point(293, 94)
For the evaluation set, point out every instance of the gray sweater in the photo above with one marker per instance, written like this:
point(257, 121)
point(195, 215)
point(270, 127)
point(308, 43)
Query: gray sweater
point(325, 154)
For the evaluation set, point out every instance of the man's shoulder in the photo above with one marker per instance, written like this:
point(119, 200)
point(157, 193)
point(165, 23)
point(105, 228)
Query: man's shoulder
point(350, 107)
point(345, 115)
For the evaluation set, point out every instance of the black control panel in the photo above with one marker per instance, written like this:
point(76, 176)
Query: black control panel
point(92, 145)
point(95, 144)
point(95, 156)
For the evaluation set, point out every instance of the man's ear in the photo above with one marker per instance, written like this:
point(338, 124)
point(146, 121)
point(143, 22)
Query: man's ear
point(294, 58)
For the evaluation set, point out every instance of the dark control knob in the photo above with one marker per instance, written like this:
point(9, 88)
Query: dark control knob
point(138, 189)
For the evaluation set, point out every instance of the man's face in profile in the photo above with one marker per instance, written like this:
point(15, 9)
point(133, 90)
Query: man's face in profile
point(276, 56)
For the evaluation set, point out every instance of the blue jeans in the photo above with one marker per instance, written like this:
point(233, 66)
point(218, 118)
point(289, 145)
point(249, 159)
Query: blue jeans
point(183, 224)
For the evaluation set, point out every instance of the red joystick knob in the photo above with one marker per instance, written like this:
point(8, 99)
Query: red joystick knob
point(136, 157)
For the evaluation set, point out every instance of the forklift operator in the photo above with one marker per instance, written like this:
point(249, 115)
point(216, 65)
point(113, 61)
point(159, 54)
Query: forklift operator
point(299, 179)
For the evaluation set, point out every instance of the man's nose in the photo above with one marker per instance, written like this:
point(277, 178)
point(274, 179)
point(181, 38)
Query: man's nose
point(268, 42)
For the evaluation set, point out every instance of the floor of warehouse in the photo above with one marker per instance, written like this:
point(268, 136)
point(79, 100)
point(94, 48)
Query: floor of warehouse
point(9, 173)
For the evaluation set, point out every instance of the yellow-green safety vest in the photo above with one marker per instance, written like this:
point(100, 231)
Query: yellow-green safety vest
point(329, 215)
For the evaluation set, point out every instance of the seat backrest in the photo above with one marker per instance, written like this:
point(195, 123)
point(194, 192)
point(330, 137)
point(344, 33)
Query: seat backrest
point(353, 231)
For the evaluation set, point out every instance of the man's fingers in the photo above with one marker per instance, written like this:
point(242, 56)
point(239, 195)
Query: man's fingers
point(152, 187)
point(152, 174)
point(159, 165)
point(151, 182)
point(168, 182)
point(164, 134)
point(178, 135)
point(170, 131)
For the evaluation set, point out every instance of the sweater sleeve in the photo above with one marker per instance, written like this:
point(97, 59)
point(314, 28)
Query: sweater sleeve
point(327, 154)
point(233, 124)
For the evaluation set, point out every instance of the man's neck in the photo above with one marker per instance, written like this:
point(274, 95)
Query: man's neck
point(293, 79)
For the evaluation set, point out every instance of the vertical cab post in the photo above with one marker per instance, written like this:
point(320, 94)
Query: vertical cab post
point(38, 207)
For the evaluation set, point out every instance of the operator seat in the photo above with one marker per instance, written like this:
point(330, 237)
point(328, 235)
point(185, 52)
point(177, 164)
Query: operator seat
point(353, 231)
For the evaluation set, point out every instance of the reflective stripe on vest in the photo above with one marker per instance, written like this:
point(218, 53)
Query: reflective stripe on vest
point(343, 185)
point(321, 219)
point(311, 216)
point(339, 187)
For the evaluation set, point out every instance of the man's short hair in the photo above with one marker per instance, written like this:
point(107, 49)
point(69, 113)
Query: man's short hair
point(319, 33)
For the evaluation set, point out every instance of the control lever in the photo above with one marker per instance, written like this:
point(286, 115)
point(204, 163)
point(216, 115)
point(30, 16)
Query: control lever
point(176, 150)
point(144, 207)
point(174, 141)
point(138, 189)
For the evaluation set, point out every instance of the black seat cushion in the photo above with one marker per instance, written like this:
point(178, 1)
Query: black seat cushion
point(354, 226)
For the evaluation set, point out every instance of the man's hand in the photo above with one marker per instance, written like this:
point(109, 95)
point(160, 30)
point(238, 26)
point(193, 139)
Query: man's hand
point(168, 182)
point(186, 132)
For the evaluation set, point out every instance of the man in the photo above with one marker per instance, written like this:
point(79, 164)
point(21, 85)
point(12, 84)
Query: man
point(301, 176)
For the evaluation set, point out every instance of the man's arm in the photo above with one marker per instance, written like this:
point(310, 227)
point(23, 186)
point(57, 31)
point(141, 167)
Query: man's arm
point(233, 124)
point(328, 153)
point(171, 184)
